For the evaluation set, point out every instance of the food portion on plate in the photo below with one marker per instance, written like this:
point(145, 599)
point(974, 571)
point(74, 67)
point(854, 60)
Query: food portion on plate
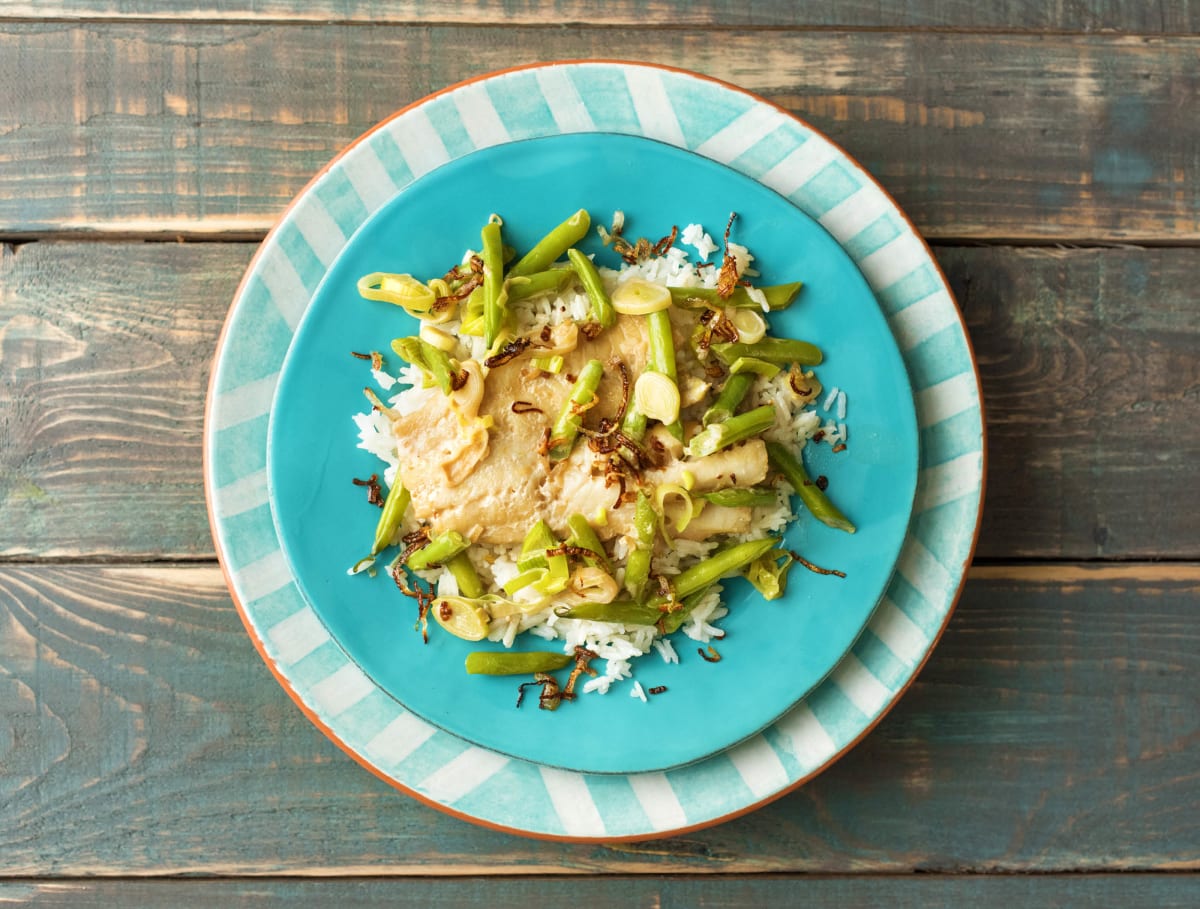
point(583, 453)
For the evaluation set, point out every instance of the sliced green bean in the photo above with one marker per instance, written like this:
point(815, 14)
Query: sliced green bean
point(673, 621)
point(584, 536)
point(783, 351)
point(735, 389)
point(493, 283)
point(754, 366)
point(624, 612)
point(736, 429)
point(810, 493)
point(394, 506)
point(637, 565)
point(499, 662)
point(552, 246)
point(662, 355)
point(439, 550)
point(432, 361)
point(566, 427)
point(720, 563)
point(594, 286)
point(779, 296)
point(465, 575)
point(740, 496)
point(543, 282)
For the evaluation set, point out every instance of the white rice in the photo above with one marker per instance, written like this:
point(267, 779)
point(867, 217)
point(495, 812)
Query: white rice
point(616, 644)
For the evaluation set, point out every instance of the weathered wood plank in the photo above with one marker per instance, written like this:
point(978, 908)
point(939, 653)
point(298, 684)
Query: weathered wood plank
point(1096, 891)
point(1169, 17)
point(208, 128)
point(1088, 360)
point(104, 357)
point(1055, 728)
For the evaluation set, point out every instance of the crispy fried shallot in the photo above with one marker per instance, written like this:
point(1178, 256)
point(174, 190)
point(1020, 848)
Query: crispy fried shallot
point(374, 492)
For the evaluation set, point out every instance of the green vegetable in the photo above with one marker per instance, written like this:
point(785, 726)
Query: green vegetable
point(754, 366)
point(779, 296)
point(543, 282)
point(494, 297)
point(740, 496)
point(637, 566)
point(394, 507)
point(783, 351)
point(720, 563)
point(673, 621)
point(623, 612)
point(566, 427)
point(662, 361)
point(744, 426)
point(584, 536)
point(438, 551)
point(464, 573)
point(433, 362)
point(494, 662)
point(533, 549)
point(810, 493)
point(590, 278)
point(735, 389)
point(768, 574)
point(552, 246)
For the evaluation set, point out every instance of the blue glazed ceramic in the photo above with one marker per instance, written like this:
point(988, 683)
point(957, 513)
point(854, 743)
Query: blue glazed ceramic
point(713, 120)
point(776, 652)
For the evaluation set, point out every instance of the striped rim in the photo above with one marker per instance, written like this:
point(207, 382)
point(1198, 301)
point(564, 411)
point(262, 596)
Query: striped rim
point(734, 128)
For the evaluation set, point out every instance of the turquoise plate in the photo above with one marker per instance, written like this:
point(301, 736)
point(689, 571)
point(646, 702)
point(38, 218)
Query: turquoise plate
point(775, 652)
point(713, 120)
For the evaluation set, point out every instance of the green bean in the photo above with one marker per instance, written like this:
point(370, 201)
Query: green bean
point(394, 507)
point(465, 575)
point(779, 296)
point(432, 361)
point(542, 282)
point(754, 366)
point(720, 563)
point(637, 566)
point(810, 493)
point(501, 662)
point(736, 387)
point(590, 278)
point(673, 621)
point(438, 550)
point(783, 351)
point(493, 283)
point(553, 245)
point(736, 496)
point(634, 424)
point(662, 355)
point(624, 612)
point(566, 427)
point(662, 360)
point(584, 536)
point(746, 425)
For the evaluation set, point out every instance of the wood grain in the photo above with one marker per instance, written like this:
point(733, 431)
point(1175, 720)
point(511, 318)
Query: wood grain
point(1096, 891)
point(1088, 361)
point(1055, 728)
point(164, 127)
point(1171, 16)
point(104, 356)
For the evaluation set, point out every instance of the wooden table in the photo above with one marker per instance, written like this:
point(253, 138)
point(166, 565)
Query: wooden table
point(1051, 155)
